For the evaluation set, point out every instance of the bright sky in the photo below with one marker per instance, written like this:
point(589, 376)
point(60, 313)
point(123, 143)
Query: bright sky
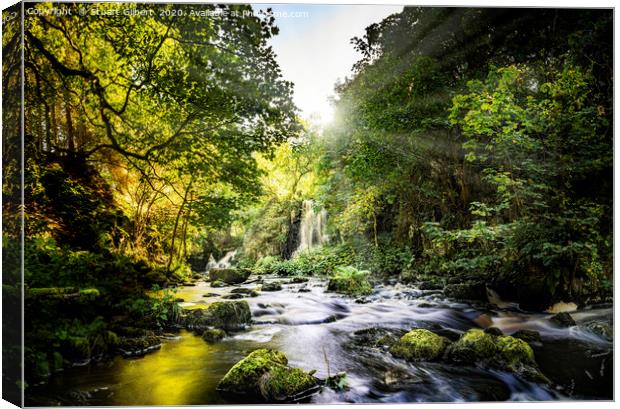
point(314, 48)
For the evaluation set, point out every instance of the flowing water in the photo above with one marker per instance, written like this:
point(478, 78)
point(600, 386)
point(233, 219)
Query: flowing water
point(312, 232)
point(314, 329)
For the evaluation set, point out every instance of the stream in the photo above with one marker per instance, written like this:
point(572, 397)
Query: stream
point(314, 329)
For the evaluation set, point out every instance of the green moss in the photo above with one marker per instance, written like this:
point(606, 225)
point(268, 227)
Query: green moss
point(282, 383)
point(229, 314)
point(349, 280)
point(213, 335)
point(247, 372)
point(473, 346)
point(265, 373)
point(514, 351)
point(273, 286)
point(419, 344)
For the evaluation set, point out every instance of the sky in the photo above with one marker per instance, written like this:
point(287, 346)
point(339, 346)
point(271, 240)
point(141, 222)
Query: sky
point(314, 51)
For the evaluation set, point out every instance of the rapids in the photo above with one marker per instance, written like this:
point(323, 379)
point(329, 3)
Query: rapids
point(314, 329)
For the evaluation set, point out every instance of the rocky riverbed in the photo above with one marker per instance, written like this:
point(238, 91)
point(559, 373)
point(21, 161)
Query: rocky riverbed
point(324, 334)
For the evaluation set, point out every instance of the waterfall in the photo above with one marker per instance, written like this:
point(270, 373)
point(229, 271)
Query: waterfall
point(224, 262)
point(312, 232)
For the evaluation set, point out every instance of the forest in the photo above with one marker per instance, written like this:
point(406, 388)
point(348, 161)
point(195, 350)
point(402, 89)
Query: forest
point(470, 160)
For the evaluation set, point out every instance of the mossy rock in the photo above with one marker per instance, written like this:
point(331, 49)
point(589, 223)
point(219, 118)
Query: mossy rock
point(472, 347)
point(227, 315)
point(264, 373)
point(218, 284)
point(133, 347)
point(241, 291)
point(350, 284)
point(272, 286)
point(298, 280)
point(213, 335)
point(513, 351)
point(419, 345)
point(282, 384)
point(229, 275)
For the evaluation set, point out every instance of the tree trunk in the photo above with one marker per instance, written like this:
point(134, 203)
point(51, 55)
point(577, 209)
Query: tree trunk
point(176, 224)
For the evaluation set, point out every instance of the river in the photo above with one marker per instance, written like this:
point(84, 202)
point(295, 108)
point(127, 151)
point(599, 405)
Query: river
point(314, 329)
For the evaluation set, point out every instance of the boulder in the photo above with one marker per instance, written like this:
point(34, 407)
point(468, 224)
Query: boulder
point(229, 275)
point(213, 335)
point(265, 374)
point(502, 352)
point(228, 315)
point(298, 280)
point(528, 335)
point(134, 347)
point(419, 345)
point(493, 331)
point(351, 283)
point(475, 291)
point(563, 319)
point(474, 346)
point(272, 286)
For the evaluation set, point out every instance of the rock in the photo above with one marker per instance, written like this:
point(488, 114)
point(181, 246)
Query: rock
point(264, 373)
point(213, 335)
point(350, 284)
point(228, 315)
point(425, 305)
point(241, 291)
point(133, 347)
point(304, 290)
point(473, 346)
point(602, 329)
point(218, 284)
point(502, 352)
point(229, 275)
point(377, 337)
point(563, 319)
point(298, 280)
point(188, 284)
point(419, 345)
point(514, 351)
point(528, 335)
point(179, 300)
point(232, 296)
point(494, 331)
point(210, 294)
point(466, 291)
point(272, 286)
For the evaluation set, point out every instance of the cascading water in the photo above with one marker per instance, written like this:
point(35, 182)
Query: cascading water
point(312, 232)
point(224, 262)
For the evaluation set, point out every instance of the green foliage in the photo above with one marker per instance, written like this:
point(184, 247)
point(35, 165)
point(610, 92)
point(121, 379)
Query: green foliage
point(350, 280)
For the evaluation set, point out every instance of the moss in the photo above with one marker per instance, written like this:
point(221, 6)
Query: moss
point(265, 373)
point(473, 346)
point(419, 344)
point(282, 383)
point(218, 284)
point(229, 315)
point(246, 373)
point(351, 281)
point(229, 275)
point(213, 335)
point(513, 351)
point(273, 286)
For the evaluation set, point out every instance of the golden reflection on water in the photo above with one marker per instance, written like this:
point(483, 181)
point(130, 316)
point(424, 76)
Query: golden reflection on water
point(182, 372)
